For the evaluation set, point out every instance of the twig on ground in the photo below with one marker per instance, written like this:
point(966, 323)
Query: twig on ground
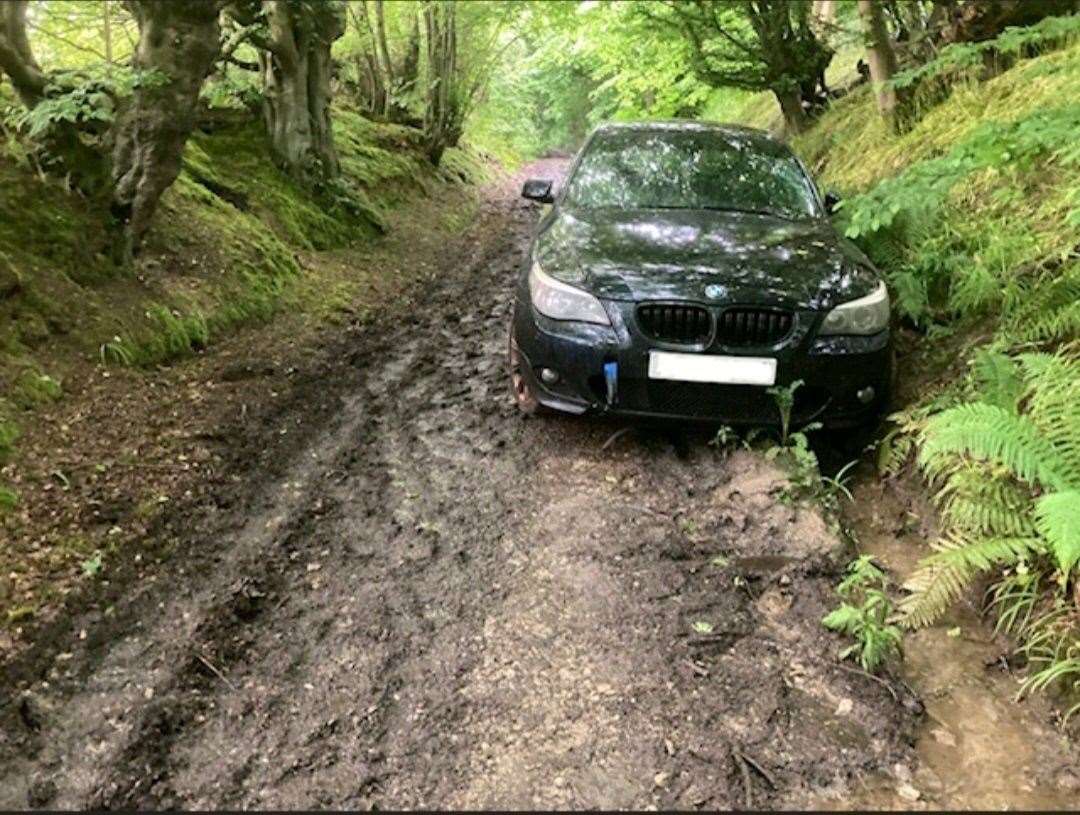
point(215, 671)
point(618, 434)
point(744, 769)
point(888, 686)
point(761, 770)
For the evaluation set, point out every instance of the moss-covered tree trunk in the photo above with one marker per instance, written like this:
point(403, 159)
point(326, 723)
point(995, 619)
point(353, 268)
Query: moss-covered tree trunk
point(296, 73)
point(178, 43)
point(16, 58)
point(880, 57)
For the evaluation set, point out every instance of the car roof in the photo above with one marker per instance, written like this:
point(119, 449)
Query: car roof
point(759, 137)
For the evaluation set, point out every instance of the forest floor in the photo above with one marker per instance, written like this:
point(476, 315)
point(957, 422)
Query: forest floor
point(369, 582)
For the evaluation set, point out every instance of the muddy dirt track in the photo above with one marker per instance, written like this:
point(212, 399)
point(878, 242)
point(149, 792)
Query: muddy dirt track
point(406, 595)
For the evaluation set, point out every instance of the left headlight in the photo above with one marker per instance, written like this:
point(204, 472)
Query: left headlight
point(560, 301)
point(867, 315)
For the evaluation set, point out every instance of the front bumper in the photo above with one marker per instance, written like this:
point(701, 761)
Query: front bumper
point(834, 371)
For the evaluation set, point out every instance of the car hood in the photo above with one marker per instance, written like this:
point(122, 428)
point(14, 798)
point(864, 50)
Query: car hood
point(678, 254)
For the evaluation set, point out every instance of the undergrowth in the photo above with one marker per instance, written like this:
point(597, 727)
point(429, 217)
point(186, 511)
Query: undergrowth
point(974, 217)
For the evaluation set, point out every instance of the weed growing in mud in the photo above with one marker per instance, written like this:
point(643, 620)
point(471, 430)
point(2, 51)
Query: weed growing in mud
point(726, 439)
point(864, 615)
point(92, 567)
point(116, 351)
point(784, 396)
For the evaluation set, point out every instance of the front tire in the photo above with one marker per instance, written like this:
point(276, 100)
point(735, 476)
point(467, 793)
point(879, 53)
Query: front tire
point(524, 396)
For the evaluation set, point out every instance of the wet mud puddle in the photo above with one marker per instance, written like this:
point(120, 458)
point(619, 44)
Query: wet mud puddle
point(977, 748)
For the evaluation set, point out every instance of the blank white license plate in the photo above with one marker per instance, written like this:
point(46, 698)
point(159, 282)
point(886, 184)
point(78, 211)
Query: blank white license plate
point(706, 368)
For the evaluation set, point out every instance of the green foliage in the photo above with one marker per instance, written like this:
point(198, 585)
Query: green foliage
point(35, 388)
point(91, 567)
point(1004, 146)
point(1010, 473)
point(82, 97)
point(9, 499)
point(9, 432)
point(863, 615)
point(973, 217)
point(784, 396)
point(958, 60)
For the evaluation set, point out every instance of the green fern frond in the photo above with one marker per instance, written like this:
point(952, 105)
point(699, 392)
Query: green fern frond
point(993, 434)
point(973, 291)
point(998, 379)
point(943, 577)
point(977, 500)
point(1051, 311)
point(893, 451)
point(1057, 518)
point(980, 515)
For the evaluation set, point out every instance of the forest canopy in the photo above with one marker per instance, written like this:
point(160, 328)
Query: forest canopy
point(111, 90)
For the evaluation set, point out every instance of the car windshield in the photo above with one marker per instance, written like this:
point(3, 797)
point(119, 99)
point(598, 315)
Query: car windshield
point(691, 170)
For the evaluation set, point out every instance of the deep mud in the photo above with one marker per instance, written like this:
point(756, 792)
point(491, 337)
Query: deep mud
point(406, 595)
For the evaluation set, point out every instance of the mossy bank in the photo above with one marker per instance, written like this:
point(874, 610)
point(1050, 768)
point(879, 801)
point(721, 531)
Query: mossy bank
point(227, 248)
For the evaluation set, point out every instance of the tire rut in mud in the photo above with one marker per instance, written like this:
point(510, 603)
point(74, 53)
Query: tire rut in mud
point(349, 526)
point(420, 599)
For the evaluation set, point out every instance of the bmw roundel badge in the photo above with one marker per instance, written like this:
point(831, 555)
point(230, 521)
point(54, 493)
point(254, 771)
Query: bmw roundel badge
point(715, 291)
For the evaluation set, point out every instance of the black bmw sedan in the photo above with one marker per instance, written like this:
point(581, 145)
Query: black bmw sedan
point(685, 269)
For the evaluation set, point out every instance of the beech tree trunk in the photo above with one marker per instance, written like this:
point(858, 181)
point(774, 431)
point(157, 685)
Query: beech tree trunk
point(792, 109)
point(181, 41)
point(16, 58)
point(880, 57)
point(296, 76)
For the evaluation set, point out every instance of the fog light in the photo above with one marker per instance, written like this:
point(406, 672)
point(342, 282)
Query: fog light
point(866, 395)
point(548, 376)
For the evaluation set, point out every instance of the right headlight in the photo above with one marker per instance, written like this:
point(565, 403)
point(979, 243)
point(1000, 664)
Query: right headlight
point(560, 301)
point(867, 315)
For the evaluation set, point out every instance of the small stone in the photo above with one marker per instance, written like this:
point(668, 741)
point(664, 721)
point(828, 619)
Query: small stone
point(661, 779)
point(1068, 781)
point(908, 792)
point(844, 708)
point(943, 736)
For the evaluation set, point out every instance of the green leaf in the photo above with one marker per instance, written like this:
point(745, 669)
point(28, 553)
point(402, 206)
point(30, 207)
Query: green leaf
point(1057, 518)
point(845, 619)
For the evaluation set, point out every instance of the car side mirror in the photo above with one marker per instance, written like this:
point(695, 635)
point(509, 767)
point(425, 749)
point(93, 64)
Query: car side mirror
point(538, 189)
point(832, 202)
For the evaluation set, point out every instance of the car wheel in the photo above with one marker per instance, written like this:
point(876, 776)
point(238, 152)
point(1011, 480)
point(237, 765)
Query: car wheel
point(522, 390)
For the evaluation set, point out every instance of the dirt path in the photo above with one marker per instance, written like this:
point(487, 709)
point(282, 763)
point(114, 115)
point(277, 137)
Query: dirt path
point(405, 595)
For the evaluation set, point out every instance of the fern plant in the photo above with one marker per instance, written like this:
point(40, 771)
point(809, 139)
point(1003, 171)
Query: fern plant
point(1008, 472)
